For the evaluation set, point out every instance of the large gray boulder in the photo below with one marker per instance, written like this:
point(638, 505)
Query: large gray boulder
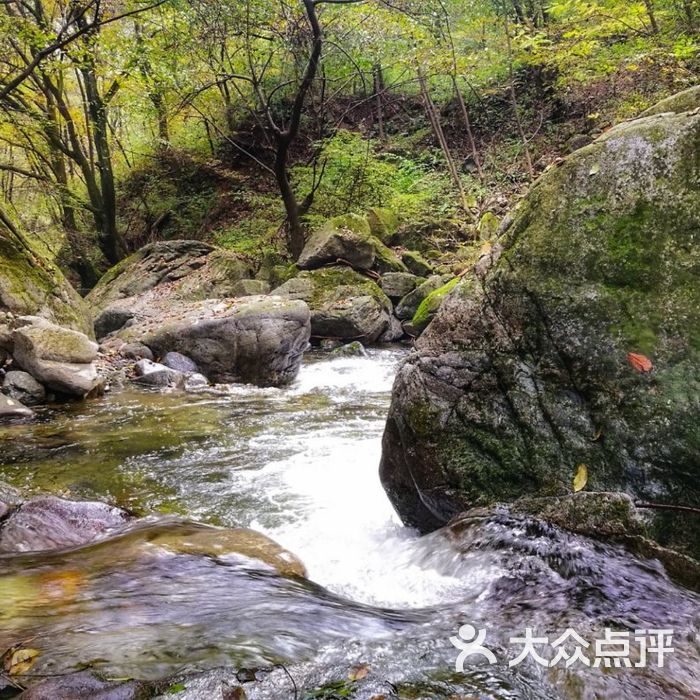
point(258, 340)
point(60, 358)
point(397, 285)
point(178, 270)
point(344, 304)
point(345, 238)
point(22, 387)
point(573, 351)
point(47, 522)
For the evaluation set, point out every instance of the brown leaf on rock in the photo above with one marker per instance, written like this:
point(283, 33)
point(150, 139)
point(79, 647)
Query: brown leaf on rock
point(640, 362)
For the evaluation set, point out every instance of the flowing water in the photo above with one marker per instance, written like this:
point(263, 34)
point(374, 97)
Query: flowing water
point(300, 465)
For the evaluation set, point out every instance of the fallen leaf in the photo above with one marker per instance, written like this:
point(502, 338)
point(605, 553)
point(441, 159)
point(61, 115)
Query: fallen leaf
point(595, 169)
point(598, 435)
point(236, 693)
point(19, 660)
point(640, 362)
point(357, 673)
point(581, 478)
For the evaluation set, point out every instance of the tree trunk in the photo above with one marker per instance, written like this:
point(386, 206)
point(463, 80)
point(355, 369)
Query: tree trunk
point(378, 92)
point(468, 126)
point(649, 4)
point(295, 231)
point(514, 103)
point(111, 242)
point(434, 118)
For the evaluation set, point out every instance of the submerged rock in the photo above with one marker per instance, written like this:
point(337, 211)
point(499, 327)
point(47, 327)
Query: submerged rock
point(86, 685)
point(60, 358)
point(579, 345)
point(216, 542)
point(48, 522)
point(22, 387)
point(344, 304)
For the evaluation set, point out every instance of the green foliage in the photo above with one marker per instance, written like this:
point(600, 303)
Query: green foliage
point(336, 690)
point(358, 175)
point(197, 78)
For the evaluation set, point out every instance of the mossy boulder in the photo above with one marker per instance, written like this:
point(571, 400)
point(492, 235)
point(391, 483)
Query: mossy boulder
point(577, 341)
point(431, 305)
point(344, 304)
point(386, 259)
point(348, 240)
point(31, 285)
point(488, 226)
point(397, 285)
point(383, 223)
point(416, 263)
point(60, 358)
point(345, 238)
point(680, 102)
point(409, 305)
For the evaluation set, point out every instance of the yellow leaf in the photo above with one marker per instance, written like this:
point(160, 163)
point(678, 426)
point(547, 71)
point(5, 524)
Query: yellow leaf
point(357, 673)
point(581, 478)
point(19, 661)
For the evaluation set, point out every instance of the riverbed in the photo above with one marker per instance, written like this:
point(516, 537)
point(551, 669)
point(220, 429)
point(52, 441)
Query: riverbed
point(300, 465)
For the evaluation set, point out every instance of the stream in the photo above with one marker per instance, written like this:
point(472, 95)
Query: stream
point(300, 465)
